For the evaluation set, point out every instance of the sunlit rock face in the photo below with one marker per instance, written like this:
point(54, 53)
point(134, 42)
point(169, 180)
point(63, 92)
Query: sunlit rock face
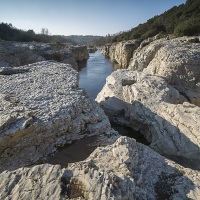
point(16, 54)
point(147, 103)
point(124, 170)
point(121, 53)
point(177, 60)
point(41, 108)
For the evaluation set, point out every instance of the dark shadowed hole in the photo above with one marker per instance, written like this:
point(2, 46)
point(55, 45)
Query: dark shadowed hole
point(126, 131)
point(188, 163)
point(10, 71)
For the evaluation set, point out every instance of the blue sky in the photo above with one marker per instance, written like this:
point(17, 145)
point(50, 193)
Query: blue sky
point(81, 17)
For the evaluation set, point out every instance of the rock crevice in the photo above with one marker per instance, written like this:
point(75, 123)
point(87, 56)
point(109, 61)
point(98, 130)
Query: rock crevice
point(149, 104)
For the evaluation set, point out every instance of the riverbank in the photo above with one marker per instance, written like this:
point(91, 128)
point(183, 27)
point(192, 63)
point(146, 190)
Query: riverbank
point(45, 109)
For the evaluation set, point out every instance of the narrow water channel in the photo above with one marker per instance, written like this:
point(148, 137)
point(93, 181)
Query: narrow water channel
point(92, 77)
point(92, 74)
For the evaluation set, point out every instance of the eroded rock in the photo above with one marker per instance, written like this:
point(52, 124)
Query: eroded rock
point(92, 49)
point(124, 170)
point(178, 60)
point(41, 107)
point(150, 105)
point(121, 53)
point(14, 54)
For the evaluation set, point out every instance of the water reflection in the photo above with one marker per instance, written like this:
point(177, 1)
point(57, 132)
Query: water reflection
point(93, 73)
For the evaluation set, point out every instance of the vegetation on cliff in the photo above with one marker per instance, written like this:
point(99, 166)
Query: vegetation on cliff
point(179, 21)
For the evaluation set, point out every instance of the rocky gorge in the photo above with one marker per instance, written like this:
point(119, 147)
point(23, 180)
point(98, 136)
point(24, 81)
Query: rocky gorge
point(43, 108)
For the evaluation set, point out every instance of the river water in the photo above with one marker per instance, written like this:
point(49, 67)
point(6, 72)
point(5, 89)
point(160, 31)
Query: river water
point(93, 73)
point(92, 77)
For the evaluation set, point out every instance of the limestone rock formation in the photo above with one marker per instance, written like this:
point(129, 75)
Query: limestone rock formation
point(121, 53)
point(124, 170)
point(150, 105)
point(41, 107)
point(14, 54)
point(178, 60)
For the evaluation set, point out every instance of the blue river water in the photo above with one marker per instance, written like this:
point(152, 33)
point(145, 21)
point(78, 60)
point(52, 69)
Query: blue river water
point(92, 74)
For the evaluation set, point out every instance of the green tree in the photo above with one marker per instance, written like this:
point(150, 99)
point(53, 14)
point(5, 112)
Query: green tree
point(189, 27)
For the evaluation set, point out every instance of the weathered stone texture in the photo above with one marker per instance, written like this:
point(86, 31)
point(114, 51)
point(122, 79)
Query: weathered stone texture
point(178, 60)
point(14, 54)
point(150, 105)
point(121, 53)
point(41, 107)
point(124, 170)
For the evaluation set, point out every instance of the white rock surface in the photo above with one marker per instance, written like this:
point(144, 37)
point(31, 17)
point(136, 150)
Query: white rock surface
point(41, 107)
point(124, 170)
point(16, 54)
point(150, 105)
point(121, 53)
point(178, 60)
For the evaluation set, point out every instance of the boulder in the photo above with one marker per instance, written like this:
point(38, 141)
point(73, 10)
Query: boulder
point(148, 104)
point(178, 60)
point(124, 170)
point(14, 54)
point(121, 53)
point(41, 108)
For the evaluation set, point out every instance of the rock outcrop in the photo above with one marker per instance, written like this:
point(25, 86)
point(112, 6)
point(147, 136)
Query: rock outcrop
point(178, 60)
point(121, 53)
point(92, 49)
point(41, 108)
point(150, 105)
point(124, 170)
point(14, 54)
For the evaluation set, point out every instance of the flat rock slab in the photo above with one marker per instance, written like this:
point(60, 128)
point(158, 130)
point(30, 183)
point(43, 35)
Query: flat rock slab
point(41, 107)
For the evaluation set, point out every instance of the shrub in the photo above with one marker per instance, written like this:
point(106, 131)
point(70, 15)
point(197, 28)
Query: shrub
point(189, 27)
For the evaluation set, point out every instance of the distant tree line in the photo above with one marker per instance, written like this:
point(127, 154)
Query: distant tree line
point(10, 33)
point(183, 20)
point(90, 40)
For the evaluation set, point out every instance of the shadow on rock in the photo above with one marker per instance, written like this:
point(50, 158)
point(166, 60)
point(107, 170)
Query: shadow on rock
point(179, 142)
